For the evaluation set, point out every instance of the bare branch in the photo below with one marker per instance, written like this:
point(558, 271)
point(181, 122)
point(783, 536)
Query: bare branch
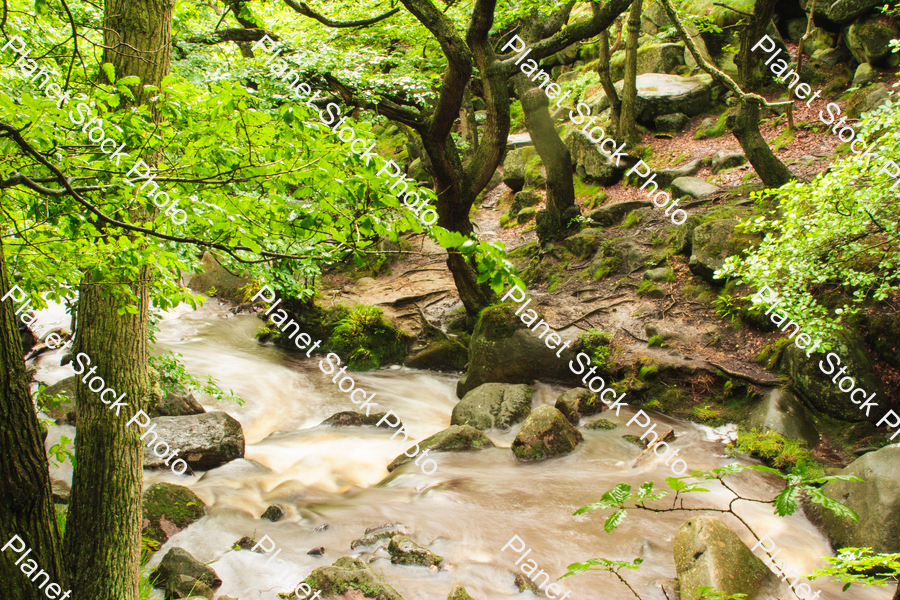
point(306, 11)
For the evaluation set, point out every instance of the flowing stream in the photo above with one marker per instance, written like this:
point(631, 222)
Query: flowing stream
point(466, 511)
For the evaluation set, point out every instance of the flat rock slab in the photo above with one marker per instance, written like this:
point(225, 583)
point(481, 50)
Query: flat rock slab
point(693, 187)
point(519, 140)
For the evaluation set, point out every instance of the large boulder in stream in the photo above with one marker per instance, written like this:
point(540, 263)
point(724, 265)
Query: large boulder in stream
point(64, 411)
point(817, 388)
point(780, 411)
point(545, 434)
point(660, 94)
point(169, 508)
point(456, 438)
point(204, 441)
point(349, 574)
point(876, 500)
point(708, 553)
point(179, 562)
point(216, 278)
point(504, 350)
point(579, 402)
point(493, 406)
point(439, 355)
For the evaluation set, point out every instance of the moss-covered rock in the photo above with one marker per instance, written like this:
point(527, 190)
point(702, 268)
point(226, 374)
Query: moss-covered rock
point(867, 99)
point(534, 174)
point(579, 402)
point(545, 434)
point(214, 277)
point(350, 574)
point(819, 391)
point(185, 586)
point(349, 418)
point(523, 200)
point(367, 340)
point(179, 561)
point(176, 403)
point(456, 438)
point(169, 508)
point(710, 247)
point(708, 553)
point(781, 412)
point(584, 243)
point(601, 425)
point(611, 214)
point(590, 163)
point(514, 171)
point(842, 11)
point(404, 551)
point(273, 513)
point(439, 355)
point(64, 411)
point(869, 38)
point(493, 405)
point(459, 593)
point(526, 214)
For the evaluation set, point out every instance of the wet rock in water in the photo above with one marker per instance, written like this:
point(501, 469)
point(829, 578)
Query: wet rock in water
point(708, 553)
point(493, 406)
point(601, 424)
point(523, 584)
point(439, 355)
point(64, 412)
point(404, 551)
point(876, 500)
point(273, 513)
point(710, 246)
point(350, 574)
point(374, 535)
point(184, 586)
point(204, 441)
point(456, 438)
point(177, 403)
point(322, 527)
point(247, 543)
point(820, 392)
point(459, 593)
point(317, 551)
point(636, 440)
point(179, 562)
point(781, 412)
point(169, 508)
point(545, 434)
point(349, 418)
point(577, 403)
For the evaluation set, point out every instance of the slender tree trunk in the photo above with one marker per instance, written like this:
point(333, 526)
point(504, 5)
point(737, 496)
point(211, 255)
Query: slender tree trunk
point(26, 503)
point(745, 126)
point(627, 124)
point(467, 123)
point(103, 537)
point(606, 79)
point(751, 32)
point(552, 223)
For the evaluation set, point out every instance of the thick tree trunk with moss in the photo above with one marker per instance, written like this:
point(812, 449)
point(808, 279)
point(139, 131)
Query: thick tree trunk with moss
point(552, 223)
point(26, 502)
point(745, 126)
point(103, 538)
point(627, 124)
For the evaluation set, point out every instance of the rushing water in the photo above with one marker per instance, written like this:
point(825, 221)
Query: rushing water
point(466, 511)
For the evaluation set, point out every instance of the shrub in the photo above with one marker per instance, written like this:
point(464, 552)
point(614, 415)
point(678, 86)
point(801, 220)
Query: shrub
point(595, 343)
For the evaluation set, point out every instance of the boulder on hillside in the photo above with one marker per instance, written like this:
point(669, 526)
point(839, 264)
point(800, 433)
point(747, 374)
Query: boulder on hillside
point(493, 406)
point(177, 403)
point(590, 163)
point(693, 187)
point(652, 58)
point(661, 94)
point(864, 75)
point(869, 38)
point(876, 500)
point(867, 99)
point(503, 350)
point(819, 39)
point(654, 18)
point(844, 11)
point(780, 411)
point(710, 247)
point(665, 177)
point(611, 214)
point(349, 418)
point(579, 402)
point(169, 508)
point(514, 171)
point(585, 242)
point(439, 355)
point(179, 561)
point(350, 574)
point(523, 200)
point(622, 257)
point(456, 438)
point(546, 433)
point(708, 553)
point(727, 160)
point(817, 388)
point(204, 441)
point(684, 235)
point(673, 123)
point(215, 276)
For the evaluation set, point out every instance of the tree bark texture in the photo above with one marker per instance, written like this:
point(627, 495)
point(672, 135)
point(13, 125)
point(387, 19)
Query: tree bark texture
point(627, 124)
point(756, 26)
point(26, 502)
point(103, 537)
point(606, 79)
point(745, 127)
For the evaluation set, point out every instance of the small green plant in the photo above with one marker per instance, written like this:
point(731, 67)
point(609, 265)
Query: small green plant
point(596, 344)
point(709, 593)
point(647, 371)
point(61, 452)
point(859, 565)
point(715, 131)
point(211, 292)
point(656, 340)
point(631, 219)
point(173, 376)
point(646, 287)
point(705, 413)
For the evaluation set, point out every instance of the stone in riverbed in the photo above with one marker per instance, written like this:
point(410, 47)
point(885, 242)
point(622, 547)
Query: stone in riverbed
point(169, 508)
point(273, 513)
point(545, 434)
point(183, 586)
point(349, 418)
point(350, 574)
point(459, 593)
point(204, 441)
point(493, 405)
point(177, 403)
point(577, 403)
point(781, 412)
point(404, 551)
point(456, 438)
point(179, 562)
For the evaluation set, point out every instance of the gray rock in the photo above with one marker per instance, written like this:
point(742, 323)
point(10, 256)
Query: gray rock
point(273, 513)
point(844, 11)
point(876, 501)
point(177, 403)
point(693, 187)
point(831, 57)
point(204, 441)
point(727, 160)
point(545, 434)
point(864, 75)
point(673, 123)
point(579, 402)
point(590, 163)
point(184, 586)
point(652, 58)
point(179, 561)
point(404, 551)
point(514, 171)
point(684, 235)
point(621, 257)
point(584, 243)
point(869, 38)
point(710, 247)
point(456, 438)
point(708, 553)
point(867, 99)
point(654, 18)
point(662, 94)
point(611, 214)
point(518, 140)
point(817, 389)
point(350, 574)
point(60, 490)
point(169, 508)
point(493, 406)
point(524, 199)
point(658, 275)
point(781, 412)
point(665, 177)
point(349, 418)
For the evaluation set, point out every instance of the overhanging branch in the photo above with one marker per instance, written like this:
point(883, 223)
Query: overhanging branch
point(306, 11)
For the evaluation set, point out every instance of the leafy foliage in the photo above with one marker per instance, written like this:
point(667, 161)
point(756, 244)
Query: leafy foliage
point(173, 376)
point(367, 339)
point(860, 565)
point(773, 448)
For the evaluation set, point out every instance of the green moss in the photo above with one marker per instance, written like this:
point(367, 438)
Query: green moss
point(655, 340)
point(176, 503)
point(705, 413)
point(715, 131)
point(770, 355)
point(647, 287)
point(499, 321)
point(631, 218)
point(602, 425)
point(265, 333)
point(366, 340)
point(596, 344)
point(775, 450)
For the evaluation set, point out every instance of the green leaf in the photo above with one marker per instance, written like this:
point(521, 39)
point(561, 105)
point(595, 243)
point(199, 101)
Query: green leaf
point(787, 502)
point(847, 586)
point(818, 496)
point(130, 80)
point(110, 71)
point(614, 520)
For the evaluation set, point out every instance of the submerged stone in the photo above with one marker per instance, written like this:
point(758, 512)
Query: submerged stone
point(456, 438)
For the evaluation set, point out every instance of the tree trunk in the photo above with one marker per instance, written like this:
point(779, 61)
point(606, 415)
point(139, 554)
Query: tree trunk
point(26, 503)
point(606, 79)
point(751, 32)
point(552, 223)
point(627, 124)
point(103, 538)
point(745, 126)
